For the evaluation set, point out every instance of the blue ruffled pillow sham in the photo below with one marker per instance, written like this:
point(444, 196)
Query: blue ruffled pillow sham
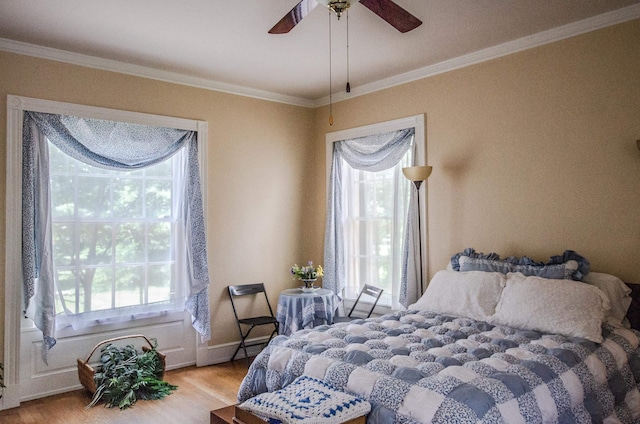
point(568, 266)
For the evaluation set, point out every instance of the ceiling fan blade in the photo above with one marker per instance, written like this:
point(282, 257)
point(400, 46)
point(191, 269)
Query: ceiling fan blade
point(395, 15)
point(294, 16)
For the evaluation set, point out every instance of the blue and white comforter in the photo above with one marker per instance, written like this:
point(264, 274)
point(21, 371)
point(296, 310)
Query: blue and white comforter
point(421, 367)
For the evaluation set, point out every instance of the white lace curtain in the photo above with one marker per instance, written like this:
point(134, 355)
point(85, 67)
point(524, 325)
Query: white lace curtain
point(372, 153)
point(110, 145)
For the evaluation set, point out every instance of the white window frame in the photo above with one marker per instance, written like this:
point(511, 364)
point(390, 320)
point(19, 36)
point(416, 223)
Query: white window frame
point(418, 123)
point(16, 106)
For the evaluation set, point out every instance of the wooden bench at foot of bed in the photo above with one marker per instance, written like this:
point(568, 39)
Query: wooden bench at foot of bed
point(233, 415)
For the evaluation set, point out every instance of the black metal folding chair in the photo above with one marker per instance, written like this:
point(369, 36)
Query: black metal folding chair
point(368, 290)
point(252, 321)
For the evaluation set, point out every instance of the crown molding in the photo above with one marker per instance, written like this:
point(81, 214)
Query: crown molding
point(57, 55)
point(566, 31)
point(546, 37)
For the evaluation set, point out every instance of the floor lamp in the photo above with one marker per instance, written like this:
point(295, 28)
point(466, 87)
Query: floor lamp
point(418, 174)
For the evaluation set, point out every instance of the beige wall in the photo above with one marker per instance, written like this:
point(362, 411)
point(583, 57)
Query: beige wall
point(533, 153)
point(256, 173)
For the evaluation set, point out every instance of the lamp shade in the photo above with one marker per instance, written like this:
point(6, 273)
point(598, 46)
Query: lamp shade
point(417, 173)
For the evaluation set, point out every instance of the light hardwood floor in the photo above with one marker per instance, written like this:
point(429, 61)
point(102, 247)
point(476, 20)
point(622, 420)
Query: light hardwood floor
point(199, 391)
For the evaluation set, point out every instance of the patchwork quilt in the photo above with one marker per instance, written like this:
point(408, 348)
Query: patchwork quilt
point(423, 367)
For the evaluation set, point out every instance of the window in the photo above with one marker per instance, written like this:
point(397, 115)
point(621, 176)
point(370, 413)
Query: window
point(122, 246)
point(114, 234)
point(130, 190)
point(368, 238)
point(374, 227)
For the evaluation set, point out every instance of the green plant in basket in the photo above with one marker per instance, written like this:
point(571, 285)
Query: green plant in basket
point(125, 375)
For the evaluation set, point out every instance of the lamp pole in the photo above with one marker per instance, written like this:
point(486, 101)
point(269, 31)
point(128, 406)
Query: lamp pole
point(417, 185)
point(417, 175)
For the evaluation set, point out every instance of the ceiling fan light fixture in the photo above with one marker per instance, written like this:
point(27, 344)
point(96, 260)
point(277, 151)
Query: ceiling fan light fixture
point(337, 6)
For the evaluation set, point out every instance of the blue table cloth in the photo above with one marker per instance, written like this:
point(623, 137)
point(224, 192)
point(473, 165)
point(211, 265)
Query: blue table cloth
point(298, 310)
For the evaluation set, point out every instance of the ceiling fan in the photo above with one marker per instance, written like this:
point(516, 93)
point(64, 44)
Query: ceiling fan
point(395, 15)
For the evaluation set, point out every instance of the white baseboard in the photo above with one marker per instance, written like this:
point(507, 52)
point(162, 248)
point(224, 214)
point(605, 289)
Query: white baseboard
point(217, 354)
point(10, 397)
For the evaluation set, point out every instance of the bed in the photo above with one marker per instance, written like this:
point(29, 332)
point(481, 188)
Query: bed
point(480, 346)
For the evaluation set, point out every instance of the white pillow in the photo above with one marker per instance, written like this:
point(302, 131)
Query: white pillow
point(566, 307)
point(617, 292)
point(472, 294)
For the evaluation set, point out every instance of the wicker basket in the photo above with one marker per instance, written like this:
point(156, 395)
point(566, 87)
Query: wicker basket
point(87, 374)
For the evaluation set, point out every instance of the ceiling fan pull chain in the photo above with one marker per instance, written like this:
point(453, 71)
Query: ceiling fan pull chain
point(348, 85)
point(330, 80)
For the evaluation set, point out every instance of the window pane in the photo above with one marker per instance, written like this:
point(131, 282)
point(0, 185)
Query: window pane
point(130, 239)
point(95, 244)
point(160, 288)
point(158, 199)
point(84, 290)
point(127, 198)
point(129, 286)
point(59, 162)
point(66, 283)
point(132, 173)
point(62, 191)
point(160, 242)
point(98, 289)
point(93, 197)
point(162, 169)
point(63, 244)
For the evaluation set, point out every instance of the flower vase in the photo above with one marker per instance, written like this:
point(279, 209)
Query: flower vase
point(308, 283)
